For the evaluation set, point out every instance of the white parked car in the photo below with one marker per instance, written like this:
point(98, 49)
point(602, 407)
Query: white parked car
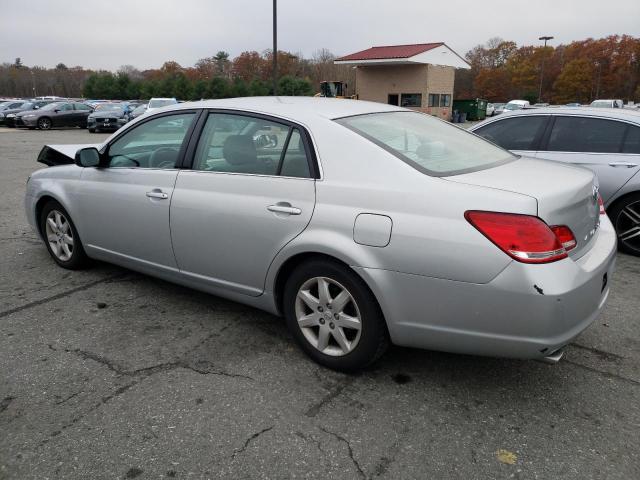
point(156, 103)
point(490, 109)
point(607, 104)
point(516, 105)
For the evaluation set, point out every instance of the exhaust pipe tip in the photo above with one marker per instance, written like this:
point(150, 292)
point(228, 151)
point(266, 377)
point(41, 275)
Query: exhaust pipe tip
point(554, 357)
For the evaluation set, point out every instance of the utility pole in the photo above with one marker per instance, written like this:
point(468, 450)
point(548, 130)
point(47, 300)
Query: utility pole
point(275, 47)
point(545, 38)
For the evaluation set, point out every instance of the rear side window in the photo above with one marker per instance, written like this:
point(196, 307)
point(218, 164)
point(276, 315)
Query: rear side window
point(581, 134)
point(245, 144)
point(632, 142)
point(517, 133)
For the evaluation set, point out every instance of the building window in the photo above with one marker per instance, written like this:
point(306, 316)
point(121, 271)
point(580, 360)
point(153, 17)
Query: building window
point(445, 100)
point(411, 100)
point(434, 99)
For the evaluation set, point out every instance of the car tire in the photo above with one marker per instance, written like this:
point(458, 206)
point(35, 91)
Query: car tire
point(92, 130)
point(625, 216)
point(348, 337)
point(61, 237)
point(44, 123)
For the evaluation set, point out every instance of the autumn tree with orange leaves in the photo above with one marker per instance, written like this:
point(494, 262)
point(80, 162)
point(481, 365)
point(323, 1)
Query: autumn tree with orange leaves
point(580, 71)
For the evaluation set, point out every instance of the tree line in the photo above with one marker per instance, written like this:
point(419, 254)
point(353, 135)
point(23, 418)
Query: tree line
point(218, 76)
point(580, 71)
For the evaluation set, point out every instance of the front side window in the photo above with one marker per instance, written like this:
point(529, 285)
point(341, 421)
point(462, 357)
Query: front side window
point(243, 144)
point(583, 134)
point(517, 133)
point(152, 144)
point(427, 144)
point(411, 100)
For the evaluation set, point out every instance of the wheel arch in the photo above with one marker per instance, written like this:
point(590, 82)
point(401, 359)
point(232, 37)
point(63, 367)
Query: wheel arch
point(294, 261)
point(622, 198)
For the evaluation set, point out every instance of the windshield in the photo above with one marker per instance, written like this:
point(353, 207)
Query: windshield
point(109, 106)
point(161, 103)
point(600, 103)
point(513, 106)
point(426, 143)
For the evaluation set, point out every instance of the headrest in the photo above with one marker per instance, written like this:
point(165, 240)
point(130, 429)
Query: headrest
point(239, 150)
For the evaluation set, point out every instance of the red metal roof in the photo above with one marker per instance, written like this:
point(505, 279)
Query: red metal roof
point(391, 51)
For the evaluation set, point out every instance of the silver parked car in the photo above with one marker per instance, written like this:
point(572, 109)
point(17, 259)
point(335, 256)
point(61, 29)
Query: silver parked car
point(605, 141)
point(361, 223)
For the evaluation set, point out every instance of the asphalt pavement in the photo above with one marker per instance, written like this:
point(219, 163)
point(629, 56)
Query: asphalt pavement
point(106, 373)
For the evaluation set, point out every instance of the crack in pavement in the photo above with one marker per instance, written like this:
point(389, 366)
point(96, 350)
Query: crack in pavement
point(314, 409)
point(251, 439)
point(152, 370)
point(603, 373)
point(604, 355)
point(60, 295)
point(353, 459)
point(6, 401)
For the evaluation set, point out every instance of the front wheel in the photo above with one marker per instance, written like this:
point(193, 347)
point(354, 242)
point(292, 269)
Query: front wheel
point(61, 237)
point(334, 316)
point(44, 123)
point(625, 216)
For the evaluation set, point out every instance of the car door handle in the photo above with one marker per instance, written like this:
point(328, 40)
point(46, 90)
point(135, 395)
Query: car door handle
point(284, 208)
point(623, 164)
point(157, 194)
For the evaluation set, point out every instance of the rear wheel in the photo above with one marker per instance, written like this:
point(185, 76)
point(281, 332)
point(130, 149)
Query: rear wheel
point(334, 316)
point(625, 216)
point(61, 237)
point(44, 123)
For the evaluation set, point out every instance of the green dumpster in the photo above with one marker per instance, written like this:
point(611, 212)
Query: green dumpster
point(476, 109)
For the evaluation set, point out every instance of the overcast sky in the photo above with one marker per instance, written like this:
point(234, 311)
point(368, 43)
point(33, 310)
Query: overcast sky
point(145, 33)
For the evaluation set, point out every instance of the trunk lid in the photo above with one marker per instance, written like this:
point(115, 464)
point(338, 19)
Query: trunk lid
point(565, 195)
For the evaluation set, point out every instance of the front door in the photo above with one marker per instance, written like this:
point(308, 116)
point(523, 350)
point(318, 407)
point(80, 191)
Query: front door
point(250, 191)
point(125, 203)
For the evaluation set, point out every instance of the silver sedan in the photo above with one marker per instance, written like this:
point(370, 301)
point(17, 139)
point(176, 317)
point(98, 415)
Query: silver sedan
point(606, 141)
point(361, 223)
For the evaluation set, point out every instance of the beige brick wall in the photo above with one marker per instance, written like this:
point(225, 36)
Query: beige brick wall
point(374, 83)
point(440, 80)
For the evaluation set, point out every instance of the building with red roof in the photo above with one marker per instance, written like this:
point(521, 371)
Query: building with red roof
point(418, 76)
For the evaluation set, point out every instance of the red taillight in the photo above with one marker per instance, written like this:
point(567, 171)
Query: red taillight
point(601, 204)
point(523, 237)
point(565, 235)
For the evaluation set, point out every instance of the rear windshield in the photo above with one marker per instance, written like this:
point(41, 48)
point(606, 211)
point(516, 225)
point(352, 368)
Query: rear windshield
point(426, 143)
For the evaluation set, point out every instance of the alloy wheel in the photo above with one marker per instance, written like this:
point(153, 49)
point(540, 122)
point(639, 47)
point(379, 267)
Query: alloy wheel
point(44, 124)
point(328, 316)
point(628, 225)
point(59, 235)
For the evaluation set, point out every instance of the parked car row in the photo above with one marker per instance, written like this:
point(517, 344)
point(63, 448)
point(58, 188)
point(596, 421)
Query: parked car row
point(96, 115)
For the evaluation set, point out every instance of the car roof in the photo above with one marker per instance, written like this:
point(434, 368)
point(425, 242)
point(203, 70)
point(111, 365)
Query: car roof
point(616, 113)
point(295, 108)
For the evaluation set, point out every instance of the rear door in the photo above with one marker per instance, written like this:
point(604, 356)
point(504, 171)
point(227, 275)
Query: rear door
point(81, 112)
point(598, 144)
point(250, 191)
point(63, 116)
point(519, 133)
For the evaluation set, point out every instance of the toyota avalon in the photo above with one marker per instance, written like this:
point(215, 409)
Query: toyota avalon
point(362, 224)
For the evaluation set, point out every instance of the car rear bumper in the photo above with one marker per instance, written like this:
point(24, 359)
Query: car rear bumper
point(527, 311)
